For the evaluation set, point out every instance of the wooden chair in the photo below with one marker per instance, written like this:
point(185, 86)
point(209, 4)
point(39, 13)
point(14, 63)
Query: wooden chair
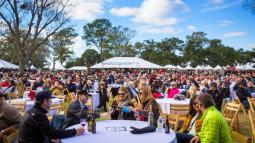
point(239, 138)
point(12, 95)
point(252, 104)
point(173, 120)
point(230, 113)
point(21, 105)
point(55, 107)
point(180, 109)
point(252, 120)
point(60, 96)
point(9, 134)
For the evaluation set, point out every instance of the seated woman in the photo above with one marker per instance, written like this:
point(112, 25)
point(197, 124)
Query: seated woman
point(173, 91)
point(121, 106)
point(145, 102)
point(191, 124)
point(191, 92)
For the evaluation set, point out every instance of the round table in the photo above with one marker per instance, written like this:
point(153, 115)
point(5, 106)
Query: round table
point(103, 134)
point(165, 103)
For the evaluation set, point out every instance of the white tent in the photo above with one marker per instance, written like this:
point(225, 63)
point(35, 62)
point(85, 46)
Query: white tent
point(240, 67)
point(126, 62)
point(57, 67)
point(7, 65)
point(32, 67)
point(218, 67)
point(78, 68)
point(179, 67)
point(170, 67)
point(249, 66)
point(188, 67)
point(198, 67)
point(208, 67)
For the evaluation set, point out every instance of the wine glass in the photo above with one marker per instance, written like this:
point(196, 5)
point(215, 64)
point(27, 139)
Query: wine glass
point(83, 122)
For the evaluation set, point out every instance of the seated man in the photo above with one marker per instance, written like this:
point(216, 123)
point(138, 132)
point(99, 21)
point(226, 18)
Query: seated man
point(214, 128)
point(77, 110)
point(9, 115)
point(35, 126)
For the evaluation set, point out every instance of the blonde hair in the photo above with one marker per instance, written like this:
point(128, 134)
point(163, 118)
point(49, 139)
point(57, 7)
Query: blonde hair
point(192, 90)
point(147, 93)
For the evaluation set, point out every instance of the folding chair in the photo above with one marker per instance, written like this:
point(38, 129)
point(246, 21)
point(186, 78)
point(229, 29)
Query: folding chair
point(252, 120)
point(252, 104)
point(230, 113)
point(9, 134)
point(239, 138)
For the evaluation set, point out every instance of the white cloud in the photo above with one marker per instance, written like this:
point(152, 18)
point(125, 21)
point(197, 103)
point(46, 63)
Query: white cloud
point(216, 1)
point(192, 28)
point(160, 30)
point(224, 23)
point(86, 9)
point(233, 34)
point(152, 12)
point(124, 11)
point(78, 46)
point(221, 7)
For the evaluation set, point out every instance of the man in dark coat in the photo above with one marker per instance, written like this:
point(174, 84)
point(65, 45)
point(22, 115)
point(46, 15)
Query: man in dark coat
point(242, 94)
point(35, 126)
point(76, 110)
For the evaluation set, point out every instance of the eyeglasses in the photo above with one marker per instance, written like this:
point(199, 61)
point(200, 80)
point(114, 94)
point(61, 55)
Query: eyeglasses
point(140, 93)
point(121, 93)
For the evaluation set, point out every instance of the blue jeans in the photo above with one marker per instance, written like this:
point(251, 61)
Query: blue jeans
point(183, 138)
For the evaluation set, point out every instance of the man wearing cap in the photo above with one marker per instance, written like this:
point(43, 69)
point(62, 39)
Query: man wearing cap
point(77, 110)
point(9, 115)
point(35, 126)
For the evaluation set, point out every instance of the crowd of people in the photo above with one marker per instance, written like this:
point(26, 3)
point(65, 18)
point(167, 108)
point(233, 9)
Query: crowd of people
point(130, 94)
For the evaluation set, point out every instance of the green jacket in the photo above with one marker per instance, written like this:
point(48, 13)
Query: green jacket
point(214, 128)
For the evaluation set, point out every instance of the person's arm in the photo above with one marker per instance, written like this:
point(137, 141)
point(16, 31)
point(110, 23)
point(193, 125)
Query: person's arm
point(210, 131)
point(11, 115)
point(52, 133)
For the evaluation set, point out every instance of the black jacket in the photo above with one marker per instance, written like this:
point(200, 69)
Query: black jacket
point(74, 114)
point(35, 128)
point(242, 94)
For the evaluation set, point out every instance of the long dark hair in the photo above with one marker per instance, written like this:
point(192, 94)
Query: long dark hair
point(192, 111)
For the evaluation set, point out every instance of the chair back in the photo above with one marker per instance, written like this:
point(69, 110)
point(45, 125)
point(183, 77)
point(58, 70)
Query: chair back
point(236, 137)
point(181, 109)
point(21, 105)
point(252, 104)
point(10, 134)
point(173, 120)
point(57, 107)
point(230, 112)
point(12, 95)
point(252, 120)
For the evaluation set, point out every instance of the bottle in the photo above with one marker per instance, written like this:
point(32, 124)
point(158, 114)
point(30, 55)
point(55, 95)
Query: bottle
point(160, 124)
point(93, 126)
point(150, 117)
point(90, 123)
point(167, 126)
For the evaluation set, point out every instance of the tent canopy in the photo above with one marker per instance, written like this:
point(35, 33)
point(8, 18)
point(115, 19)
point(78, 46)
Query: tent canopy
point(188, 67)
point(7, 65)
point(78, 68)
point(218, 67)
point(126, 62)
point(170, 67)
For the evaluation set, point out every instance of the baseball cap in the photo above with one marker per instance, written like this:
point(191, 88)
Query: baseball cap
point(43, 95)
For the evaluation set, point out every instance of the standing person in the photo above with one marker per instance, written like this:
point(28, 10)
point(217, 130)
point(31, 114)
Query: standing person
point(35, 126)
point(77, 110)
point(214, 128)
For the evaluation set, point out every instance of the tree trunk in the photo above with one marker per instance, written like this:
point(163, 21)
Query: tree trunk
point(21, 59)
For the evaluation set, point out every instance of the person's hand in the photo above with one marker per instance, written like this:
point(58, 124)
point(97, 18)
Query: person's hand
point(80, 131)
point(195, 139)
point(131, 108)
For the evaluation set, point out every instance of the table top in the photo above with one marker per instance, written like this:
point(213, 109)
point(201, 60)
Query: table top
point(172, 100)
point(105, 135)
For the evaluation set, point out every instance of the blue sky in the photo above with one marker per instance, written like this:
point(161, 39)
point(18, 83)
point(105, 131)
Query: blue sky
point(227, 20)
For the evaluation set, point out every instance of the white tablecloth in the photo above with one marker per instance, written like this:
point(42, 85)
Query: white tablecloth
point(165, 103)
point(104, 136)
point(30, 104)
point(95, 100)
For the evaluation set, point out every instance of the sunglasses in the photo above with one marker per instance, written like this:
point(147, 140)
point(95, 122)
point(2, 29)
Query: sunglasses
point(140, 93)
point(122, 94)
